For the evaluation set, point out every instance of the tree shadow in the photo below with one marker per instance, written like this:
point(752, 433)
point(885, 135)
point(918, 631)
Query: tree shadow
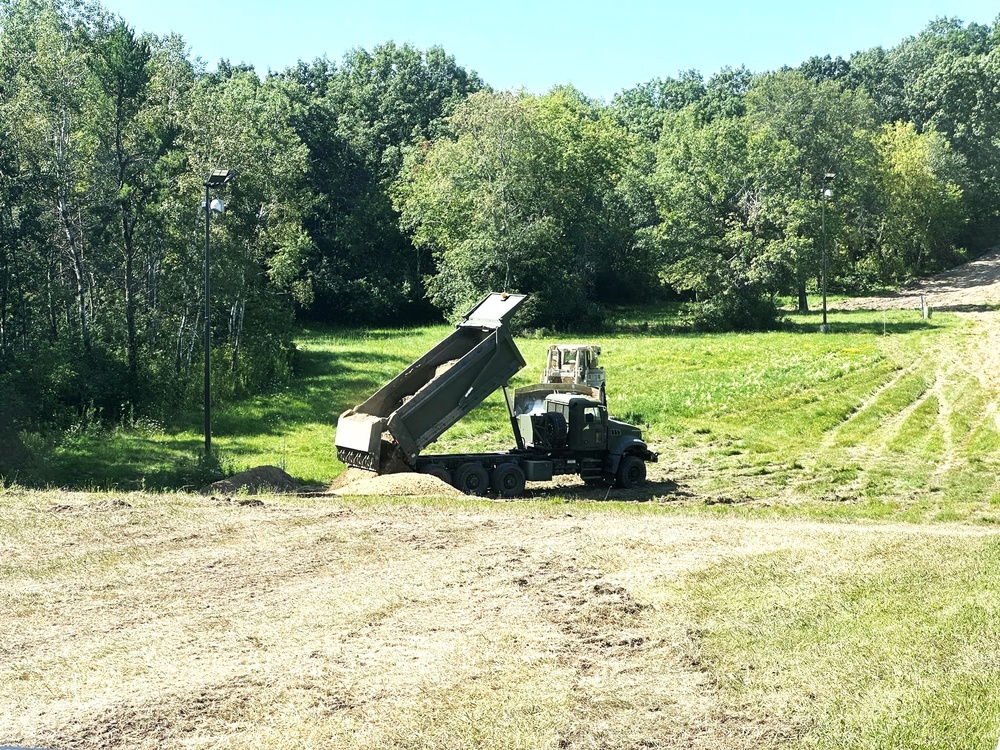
point(872, 327)
point(326, 384)
point(967, 308)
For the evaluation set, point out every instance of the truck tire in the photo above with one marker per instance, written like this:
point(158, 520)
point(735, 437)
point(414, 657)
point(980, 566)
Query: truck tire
point(631, 471)
point(439, 471)
point(472, 479)
point(507, 480)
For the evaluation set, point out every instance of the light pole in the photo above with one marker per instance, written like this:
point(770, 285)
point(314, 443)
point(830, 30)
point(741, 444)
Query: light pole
point(216, 179)
point(827, 193)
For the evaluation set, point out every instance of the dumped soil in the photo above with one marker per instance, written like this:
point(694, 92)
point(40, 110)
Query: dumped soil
point(405, 484)
point(262, 479)
point(350, 475)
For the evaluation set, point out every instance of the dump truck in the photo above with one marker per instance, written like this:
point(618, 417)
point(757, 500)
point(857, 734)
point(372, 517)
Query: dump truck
point(558, 428)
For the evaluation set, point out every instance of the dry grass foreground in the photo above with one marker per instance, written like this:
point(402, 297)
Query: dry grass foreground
point(140, 621)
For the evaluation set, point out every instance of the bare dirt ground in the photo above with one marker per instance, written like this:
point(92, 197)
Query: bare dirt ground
point(145, 621)
point(132, 625)
point(175, 622)
point(970, 287)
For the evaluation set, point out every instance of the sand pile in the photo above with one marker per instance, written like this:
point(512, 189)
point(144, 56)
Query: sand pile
point(406, 484)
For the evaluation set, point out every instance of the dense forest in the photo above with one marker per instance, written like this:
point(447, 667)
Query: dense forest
point(396, 186)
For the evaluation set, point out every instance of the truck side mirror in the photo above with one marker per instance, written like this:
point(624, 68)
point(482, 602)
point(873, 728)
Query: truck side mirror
point(589, 418)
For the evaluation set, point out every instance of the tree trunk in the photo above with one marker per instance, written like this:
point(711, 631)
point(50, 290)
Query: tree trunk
point(132, 345)
point(73, 243)
point(195, 338)
point(8, 262)
point(236, 326)
point(79, 272)
point(180, 345)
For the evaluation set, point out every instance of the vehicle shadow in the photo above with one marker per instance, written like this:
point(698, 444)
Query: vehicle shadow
point(648, 491)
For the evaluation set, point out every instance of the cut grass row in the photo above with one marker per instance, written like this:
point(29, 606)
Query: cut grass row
point(880, 418)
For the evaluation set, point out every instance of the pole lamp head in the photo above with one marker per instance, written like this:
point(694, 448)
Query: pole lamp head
point(220, 177)
point(827, 179)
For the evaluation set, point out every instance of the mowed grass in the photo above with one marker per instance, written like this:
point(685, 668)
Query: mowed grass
point(888, 416)
point(820, 571)
point(863, 640)
point(175, 621)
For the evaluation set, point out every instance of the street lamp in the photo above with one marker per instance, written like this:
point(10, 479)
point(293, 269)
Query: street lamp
point(827, 193)
point(216, 179)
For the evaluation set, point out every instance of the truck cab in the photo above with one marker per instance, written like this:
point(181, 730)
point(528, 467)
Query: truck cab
point(572, 424)
point(586, 421)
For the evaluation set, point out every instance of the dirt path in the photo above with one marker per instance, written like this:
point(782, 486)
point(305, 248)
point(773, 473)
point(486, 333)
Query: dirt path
point(971, 291)
point(967, 288)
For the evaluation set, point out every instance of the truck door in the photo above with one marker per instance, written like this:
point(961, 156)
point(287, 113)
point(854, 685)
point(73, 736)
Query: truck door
point(593, 435)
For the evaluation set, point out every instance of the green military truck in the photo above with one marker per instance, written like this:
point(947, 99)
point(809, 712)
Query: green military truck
point(559, 428)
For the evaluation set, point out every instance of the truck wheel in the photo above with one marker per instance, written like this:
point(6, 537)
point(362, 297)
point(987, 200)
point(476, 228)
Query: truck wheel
point(437, 470)
point(472, 479)
point(631, 471)
point(507, 480)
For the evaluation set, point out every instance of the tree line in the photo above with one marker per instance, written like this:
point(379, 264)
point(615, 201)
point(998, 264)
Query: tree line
point(396, 186)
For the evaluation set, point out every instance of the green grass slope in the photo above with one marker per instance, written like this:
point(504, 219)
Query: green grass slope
point(890, 415)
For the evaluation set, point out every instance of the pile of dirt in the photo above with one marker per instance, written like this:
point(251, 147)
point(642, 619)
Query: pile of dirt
point(405, 484)
point(254, 481)
point(350, 476)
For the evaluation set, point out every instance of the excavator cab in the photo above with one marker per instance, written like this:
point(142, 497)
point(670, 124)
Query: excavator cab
point(574, 364)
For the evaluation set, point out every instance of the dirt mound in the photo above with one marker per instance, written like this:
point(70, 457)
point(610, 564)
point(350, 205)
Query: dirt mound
point(350, 476)
point(253, 481)
point(405, 484)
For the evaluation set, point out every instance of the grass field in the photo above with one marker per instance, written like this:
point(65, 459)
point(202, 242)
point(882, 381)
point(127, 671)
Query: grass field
point(891, 416)
point(815, 565)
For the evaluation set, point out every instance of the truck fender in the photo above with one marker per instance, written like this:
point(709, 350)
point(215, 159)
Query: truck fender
point(632, 446)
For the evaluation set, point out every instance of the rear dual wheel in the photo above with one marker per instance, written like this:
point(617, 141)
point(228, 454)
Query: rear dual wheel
point(472, 479)
point(507, 480)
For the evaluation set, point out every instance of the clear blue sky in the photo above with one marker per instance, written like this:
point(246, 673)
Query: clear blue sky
point(600, 47)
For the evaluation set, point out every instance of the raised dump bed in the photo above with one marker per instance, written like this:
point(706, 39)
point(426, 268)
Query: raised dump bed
point(417, 406)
